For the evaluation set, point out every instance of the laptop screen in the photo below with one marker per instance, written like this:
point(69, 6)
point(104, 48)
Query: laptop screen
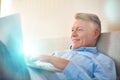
point(10, 32)
point(12, 60)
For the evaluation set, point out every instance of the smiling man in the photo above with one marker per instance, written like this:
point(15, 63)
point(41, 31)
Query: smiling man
point(83, 61)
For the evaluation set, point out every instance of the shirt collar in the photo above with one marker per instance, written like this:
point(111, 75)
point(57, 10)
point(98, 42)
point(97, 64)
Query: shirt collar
point(85, 49)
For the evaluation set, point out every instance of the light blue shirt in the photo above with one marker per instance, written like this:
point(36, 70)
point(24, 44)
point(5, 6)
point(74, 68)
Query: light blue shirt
point(86, 63)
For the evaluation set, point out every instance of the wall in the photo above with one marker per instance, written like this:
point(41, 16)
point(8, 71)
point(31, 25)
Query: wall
point(111, 14)
point(52, 19)
point(0, 7)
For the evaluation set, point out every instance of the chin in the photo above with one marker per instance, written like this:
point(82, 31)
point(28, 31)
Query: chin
point(75, 47)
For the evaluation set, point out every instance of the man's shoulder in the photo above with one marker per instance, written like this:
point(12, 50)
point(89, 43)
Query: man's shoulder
point(104, 58)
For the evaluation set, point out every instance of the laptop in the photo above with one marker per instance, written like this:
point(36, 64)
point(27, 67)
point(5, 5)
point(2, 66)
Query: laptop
point(11, 56)
point(10, 32)
point(36, 63)
point(11, 36)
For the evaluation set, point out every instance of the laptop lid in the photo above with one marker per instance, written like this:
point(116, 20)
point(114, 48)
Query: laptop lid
point(10, 32)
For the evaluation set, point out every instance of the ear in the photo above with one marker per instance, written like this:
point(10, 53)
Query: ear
point(96, 33)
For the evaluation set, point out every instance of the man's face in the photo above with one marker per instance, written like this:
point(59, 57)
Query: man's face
point(84, 34)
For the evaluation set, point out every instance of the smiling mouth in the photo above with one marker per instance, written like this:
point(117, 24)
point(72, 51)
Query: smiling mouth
point(75, 39)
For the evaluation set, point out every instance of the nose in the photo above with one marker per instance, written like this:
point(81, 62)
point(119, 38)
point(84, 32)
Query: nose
point(74, 33)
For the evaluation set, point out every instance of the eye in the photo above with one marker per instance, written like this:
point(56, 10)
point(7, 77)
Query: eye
point(72, 30)
point(79, 29)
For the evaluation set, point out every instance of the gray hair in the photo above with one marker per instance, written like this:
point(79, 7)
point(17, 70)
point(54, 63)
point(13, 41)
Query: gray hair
point(89, 17)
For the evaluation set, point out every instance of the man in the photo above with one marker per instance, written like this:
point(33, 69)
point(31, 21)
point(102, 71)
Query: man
point(83, 61)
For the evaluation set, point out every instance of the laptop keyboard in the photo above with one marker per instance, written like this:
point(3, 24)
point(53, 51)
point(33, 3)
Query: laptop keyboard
point(42, 65)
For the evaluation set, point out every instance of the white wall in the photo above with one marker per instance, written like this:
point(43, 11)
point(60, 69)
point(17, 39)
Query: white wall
point(112, 15)
point(52, 19)
point(0, 7)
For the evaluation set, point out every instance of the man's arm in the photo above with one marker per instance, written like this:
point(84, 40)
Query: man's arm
point(70, 68)
point(80, 68)
point(59, 63)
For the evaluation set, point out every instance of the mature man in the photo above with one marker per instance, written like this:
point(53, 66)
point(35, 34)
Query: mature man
point(83, 61)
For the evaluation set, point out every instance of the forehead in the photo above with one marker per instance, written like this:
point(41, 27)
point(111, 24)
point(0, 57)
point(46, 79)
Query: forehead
point(80, 23)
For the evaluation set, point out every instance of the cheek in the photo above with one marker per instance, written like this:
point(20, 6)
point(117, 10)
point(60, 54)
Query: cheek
point(85, 37)
point(82, 36)
point(89, 38)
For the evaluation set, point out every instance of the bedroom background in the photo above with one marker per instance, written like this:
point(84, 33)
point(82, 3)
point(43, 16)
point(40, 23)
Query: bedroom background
point(46, 24)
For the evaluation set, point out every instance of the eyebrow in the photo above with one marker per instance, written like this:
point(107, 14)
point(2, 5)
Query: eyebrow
point(78, 27)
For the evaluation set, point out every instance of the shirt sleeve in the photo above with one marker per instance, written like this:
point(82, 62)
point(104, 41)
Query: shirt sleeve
point(83, 68)
point(77, 70)
point(73, 72)
point(105, 68)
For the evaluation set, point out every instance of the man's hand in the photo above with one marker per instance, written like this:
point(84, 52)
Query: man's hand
point(59, 63)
